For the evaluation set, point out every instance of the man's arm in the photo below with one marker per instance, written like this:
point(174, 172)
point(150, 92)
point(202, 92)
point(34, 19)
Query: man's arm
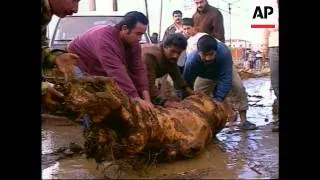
point(138, 72)
point(179, 82)
point(166, 34)
point(47, 56)
point(218, 28)
point(109, 57)
point(150, 63)
point(191, 69)
point(225, 77)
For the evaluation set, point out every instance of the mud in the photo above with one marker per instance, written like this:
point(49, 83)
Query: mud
point(234, 154)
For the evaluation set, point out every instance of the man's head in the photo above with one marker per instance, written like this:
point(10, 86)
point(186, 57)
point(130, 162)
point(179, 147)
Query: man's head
point(62, 8)
point(207, 47)
point(177, 16)
point(188, 28)
point(173, 46)
point(201, 4)
point(132, 27)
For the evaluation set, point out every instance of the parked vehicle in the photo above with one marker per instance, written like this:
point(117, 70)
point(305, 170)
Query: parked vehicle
point(65, 29)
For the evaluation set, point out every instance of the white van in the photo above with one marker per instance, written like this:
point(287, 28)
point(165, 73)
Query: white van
point(62, 30)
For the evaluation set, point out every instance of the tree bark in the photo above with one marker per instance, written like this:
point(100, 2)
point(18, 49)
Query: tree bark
point(120, 128)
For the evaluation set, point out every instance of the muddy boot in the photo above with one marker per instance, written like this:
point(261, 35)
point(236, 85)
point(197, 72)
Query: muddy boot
point(248, 126)
point(275, 127)
point(275, 107)
point(245, 124)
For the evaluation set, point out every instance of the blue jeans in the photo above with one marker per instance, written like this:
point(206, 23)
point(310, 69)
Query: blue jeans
point(77, 72)
point(85, 119)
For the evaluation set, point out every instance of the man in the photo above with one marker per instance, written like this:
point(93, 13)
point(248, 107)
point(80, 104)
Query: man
point(209, 19)
point(192, 33)
point(176, 27)
point(213, 62)
point(161, 60)
point(64, 61)
point(114, 51)
point(154, 38)
point(274, 64)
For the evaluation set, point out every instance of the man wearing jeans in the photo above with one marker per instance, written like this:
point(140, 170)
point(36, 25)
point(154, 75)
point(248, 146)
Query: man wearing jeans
point(274, 65)
point(212, 63)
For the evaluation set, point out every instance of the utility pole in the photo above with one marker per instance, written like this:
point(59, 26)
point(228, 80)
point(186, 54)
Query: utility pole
point(160, 24)
point(115, 5)
point(229, 4)
point(92, 5)
point(147, 14)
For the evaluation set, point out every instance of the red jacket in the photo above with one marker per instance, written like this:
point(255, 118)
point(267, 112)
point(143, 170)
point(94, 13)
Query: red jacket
point(102, 53)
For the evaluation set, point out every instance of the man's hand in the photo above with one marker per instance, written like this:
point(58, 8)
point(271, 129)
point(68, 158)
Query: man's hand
point(191, 92)
point(147, 106)
point(48, 97)
point(65, 63)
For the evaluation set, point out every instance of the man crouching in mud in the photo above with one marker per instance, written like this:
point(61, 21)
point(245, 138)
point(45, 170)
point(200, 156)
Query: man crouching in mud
point(50, 58)
point(114, 51)
point(212, 64)
point(161, 60)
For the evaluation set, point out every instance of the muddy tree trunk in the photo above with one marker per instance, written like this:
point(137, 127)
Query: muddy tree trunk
point(120, 128)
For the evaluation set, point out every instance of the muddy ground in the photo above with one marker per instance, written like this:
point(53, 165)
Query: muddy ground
point(235, 154)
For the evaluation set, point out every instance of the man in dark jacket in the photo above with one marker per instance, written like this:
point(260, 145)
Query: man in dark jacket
point(213, 63)
point(49, 58)
point(176, 27)
point(161, 60)
point(209, 19)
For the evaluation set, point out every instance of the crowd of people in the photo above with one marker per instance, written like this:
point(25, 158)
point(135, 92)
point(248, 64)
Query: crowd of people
point(192, 52)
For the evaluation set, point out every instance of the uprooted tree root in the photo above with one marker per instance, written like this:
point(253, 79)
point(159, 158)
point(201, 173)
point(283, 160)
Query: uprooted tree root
point(120, 129)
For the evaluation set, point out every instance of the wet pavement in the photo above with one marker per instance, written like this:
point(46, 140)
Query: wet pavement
point(236, 154)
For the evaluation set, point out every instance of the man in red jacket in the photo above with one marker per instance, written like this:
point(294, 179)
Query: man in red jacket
point(114, 51)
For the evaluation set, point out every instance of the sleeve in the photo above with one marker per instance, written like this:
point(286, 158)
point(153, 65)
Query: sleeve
point(111, 62)
point(218, 28)
point(225, 77)
point(138, 69)
point(166, 34)
point(150, 63)
point(48, 56)
point(191, 69)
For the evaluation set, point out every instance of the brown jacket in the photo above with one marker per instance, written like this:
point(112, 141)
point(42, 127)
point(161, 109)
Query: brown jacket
point(210, 21)
point(157, 66)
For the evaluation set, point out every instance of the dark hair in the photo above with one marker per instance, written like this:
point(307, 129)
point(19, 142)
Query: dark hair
point(177, 40)
point(187, 21)
point(207, 43)
point(176, 12)
point(132, 18)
